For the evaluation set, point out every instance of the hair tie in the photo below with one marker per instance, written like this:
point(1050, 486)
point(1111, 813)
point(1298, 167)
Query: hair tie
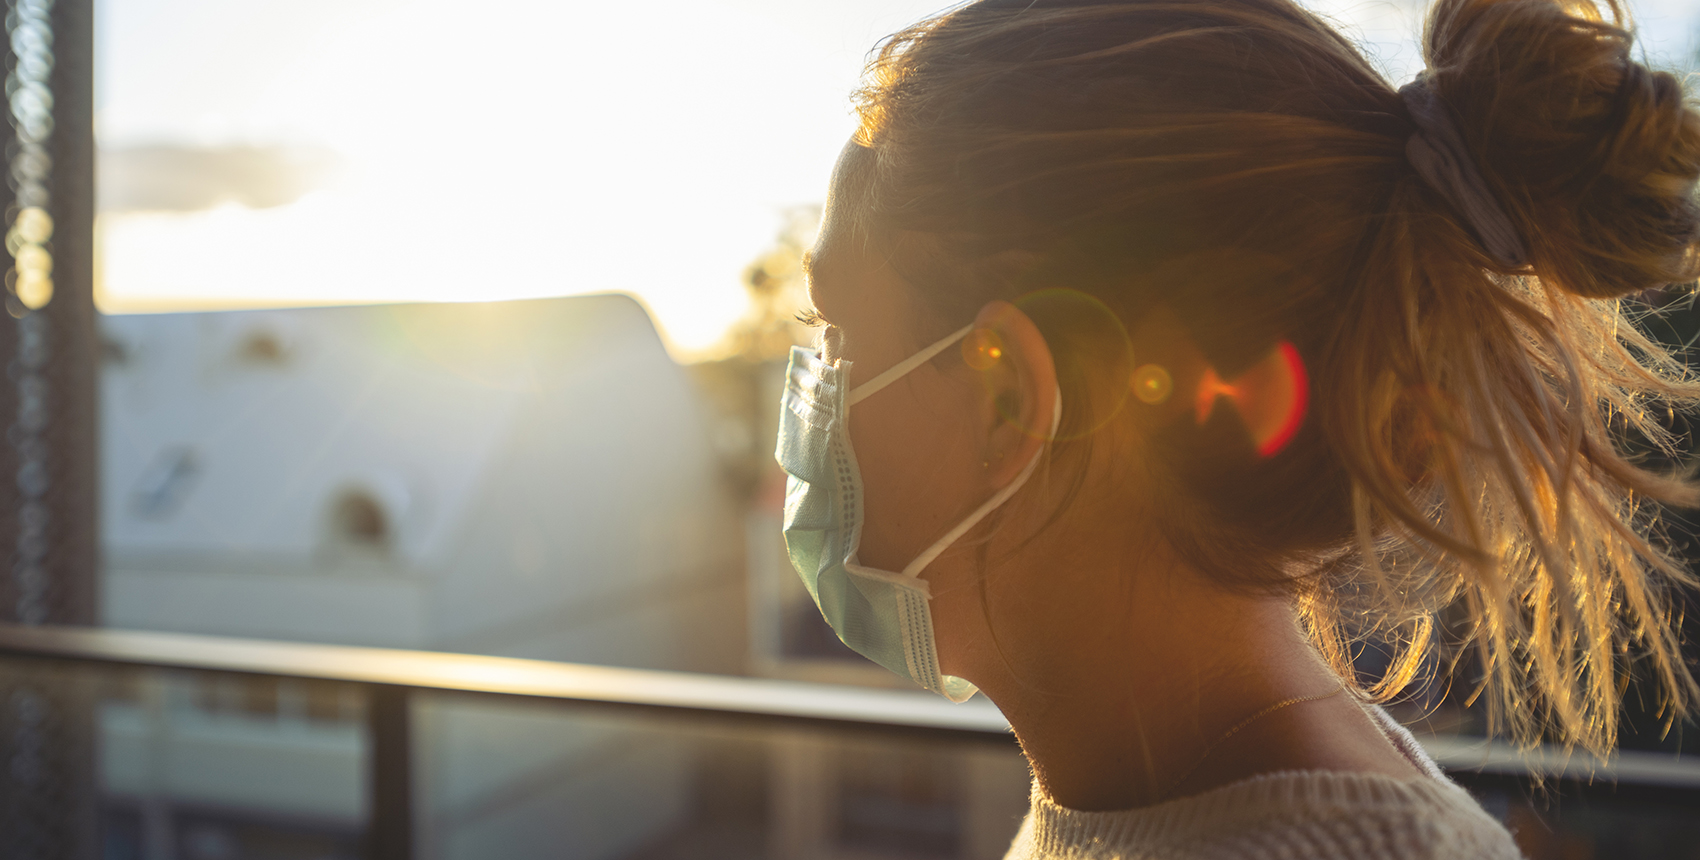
point(1438, 153)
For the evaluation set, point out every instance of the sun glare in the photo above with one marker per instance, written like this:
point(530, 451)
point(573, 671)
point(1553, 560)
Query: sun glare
point(523, 151)
point(289, 152)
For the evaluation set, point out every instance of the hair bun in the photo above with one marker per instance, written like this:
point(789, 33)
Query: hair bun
point(1593, 156)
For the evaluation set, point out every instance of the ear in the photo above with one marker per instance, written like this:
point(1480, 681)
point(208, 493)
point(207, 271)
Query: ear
point(1021, 388)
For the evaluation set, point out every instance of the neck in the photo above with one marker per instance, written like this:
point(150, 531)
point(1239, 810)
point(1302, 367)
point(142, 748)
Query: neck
point(1116, 720)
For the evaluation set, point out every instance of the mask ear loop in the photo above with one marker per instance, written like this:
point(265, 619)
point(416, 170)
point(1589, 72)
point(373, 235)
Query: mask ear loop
point(902, 368)
point(939, 546)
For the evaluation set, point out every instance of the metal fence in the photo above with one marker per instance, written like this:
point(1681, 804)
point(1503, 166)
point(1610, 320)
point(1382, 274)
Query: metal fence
point(47, 407)
point(1637, 799)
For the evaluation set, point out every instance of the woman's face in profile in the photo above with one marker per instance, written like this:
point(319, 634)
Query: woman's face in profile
point(916, 440)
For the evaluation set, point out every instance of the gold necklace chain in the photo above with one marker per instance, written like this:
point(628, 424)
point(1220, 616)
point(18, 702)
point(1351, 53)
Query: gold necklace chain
point(1236, 729)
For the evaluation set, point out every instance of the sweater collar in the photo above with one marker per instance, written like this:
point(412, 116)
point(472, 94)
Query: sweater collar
point(1059, 831)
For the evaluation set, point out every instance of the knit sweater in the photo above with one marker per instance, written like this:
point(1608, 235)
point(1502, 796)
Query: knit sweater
point(1292, 815)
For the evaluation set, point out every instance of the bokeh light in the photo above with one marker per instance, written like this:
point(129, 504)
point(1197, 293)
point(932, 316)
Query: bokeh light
point(982, 349)
point(1152, 384)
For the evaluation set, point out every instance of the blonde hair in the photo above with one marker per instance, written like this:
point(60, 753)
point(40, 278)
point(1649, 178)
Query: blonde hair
point(1237, 169)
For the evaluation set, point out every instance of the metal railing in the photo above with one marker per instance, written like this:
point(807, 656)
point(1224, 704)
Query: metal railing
point(392, 677)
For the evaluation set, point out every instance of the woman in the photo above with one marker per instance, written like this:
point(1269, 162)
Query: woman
point(1185, 353)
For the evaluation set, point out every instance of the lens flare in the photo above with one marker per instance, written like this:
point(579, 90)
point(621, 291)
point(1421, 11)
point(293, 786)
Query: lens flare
point(1092, 354)
point(1152, 384)
point(1271, 398)
point(982, 348)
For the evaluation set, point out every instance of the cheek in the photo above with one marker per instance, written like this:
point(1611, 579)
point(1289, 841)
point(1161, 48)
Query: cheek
point(918, 466)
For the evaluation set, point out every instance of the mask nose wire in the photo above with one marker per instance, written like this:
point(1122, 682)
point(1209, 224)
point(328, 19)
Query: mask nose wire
point(902, 368)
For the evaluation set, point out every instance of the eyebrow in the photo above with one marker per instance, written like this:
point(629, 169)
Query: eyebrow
point(808, 266)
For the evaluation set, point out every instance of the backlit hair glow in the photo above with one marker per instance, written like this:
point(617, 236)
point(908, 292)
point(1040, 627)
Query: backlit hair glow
point(1229, 177)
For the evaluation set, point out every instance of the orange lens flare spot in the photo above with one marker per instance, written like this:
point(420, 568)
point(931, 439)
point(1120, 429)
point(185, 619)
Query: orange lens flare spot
point(1152, 384)
point(982, 348)
point(1209, 388)
point(1271, 398)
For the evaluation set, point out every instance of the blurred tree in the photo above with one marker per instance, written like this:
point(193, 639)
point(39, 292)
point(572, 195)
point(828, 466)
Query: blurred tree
point(740, 392)
point(777, 291)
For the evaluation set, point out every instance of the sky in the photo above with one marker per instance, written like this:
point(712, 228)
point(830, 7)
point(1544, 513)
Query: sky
point(536, 148)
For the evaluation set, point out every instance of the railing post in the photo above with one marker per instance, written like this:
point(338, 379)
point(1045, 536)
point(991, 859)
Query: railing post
point(389, 831)
point(49, 347)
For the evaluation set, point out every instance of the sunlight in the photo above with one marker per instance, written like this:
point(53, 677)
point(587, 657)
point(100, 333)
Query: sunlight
point(473, 159)
point(342, 151)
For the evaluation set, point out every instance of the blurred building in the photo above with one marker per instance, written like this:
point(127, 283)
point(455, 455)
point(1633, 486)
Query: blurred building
point(527, 479)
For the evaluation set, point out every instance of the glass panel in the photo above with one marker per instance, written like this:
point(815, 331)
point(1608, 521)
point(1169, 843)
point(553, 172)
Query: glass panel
point(217, 766)
point(208, 766)
point(212, 766)
point(523, 780)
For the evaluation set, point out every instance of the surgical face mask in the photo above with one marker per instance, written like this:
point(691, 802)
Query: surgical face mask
point(882, 615)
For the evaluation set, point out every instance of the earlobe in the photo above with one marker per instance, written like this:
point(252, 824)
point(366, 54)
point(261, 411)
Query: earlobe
point(1021, 386)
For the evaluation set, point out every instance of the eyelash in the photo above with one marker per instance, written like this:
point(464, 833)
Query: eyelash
point(812, 318)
